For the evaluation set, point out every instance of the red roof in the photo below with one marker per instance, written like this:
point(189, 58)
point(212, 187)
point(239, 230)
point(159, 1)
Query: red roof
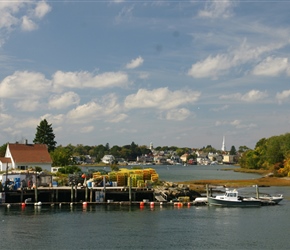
point(5, 160)
point(30, 153)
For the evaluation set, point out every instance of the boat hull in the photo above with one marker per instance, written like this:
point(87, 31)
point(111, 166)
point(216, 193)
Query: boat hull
point(233, 203)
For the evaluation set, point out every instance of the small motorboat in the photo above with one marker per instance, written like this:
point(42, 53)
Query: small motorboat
point(231, 198)
point(275, 198)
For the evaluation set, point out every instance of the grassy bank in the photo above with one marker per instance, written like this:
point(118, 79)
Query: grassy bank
point(199, 185)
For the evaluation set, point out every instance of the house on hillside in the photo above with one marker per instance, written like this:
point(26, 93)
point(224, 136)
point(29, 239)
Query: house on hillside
point(26, 156)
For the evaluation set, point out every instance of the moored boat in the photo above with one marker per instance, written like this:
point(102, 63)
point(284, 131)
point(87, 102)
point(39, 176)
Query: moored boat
point(274, 198)
point(231, 198)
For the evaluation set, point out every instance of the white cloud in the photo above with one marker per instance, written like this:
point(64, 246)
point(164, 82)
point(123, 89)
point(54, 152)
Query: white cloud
point(64, 100)
point(27, 105)
point(254, 95)
point(27, 24)
point(238, 124)
point(282, 96)
point(210, 67)
point(160, 98)
point(24, 84)
point(21, 14)
point(85, 113)
point(86, 79)
point(41, 9)
point(135, 63)
point(251, 96)
point(215, 66)
point(271, 66)
point(217, 9)
point(178, 114)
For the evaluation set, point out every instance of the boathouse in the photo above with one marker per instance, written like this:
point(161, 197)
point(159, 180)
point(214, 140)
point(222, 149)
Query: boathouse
point(26, 156)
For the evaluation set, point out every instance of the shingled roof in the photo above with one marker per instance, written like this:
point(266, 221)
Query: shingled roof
point(29, 153)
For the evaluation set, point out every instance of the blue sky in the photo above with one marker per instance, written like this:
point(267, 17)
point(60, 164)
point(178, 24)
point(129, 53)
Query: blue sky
point(182, 73)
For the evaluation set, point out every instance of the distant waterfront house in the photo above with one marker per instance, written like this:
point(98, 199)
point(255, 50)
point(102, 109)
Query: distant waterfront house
point(108, 159)
point(228, 159)
point(26, 156)
point(184, 157)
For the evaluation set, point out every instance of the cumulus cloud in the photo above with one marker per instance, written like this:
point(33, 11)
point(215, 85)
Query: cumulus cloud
point(282, 96)
point(211, 66)
point(135, 63)
point(271, 67)
point(86, 79)
point(161, 98)
point(251, 96)
point(23, 84)
point(84, 113)
point(178, 114)
point(41, 9)
point(27, 24)
point(23, 14)
point(217, 9)
point(27, 105)
point(64, 100)
point(215, 66)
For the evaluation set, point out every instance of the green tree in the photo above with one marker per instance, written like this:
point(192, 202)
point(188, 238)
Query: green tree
point(44, 135)
point(3, 150)
point(61, 156)
point(233, 151)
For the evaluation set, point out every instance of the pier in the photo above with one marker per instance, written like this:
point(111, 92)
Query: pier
point(78, 194)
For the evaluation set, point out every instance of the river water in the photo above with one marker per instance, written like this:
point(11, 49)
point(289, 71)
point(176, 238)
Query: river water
point(160, 227)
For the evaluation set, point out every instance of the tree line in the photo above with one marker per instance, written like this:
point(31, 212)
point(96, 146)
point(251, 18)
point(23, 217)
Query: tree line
point(271, 153)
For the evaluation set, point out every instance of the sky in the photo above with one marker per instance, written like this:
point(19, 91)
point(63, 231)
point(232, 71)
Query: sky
point(171, 73)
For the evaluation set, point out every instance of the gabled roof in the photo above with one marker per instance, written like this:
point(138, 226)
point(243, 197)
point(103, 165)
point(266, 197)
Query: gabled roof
point(5, 160)
point(30, 153)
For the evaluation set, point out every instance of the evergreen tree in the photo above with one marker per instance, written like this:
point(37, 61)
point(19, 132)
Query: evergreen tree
point(44, 135)
point(233, 151)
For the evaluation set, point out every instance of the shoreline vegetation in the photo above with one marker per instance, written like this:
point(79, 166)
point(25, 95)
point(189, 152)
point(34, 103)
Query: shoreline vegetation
point(265, 181)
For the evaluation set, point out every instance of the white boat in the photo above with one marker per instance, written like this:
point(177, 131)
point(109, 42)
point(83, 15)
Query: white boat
point(275, 198)
point(231, 198)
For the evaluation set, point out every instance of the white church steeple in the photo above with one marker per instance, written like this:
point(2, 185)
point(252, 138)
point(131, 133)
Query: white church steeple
point(224, 144)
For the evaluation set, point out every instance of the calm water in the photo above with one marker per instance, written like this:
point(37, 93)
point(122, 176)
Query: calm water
point(167, 227)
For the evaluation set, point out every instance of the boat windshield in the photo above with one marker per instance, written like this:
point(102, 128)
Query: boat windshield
point(231, 194)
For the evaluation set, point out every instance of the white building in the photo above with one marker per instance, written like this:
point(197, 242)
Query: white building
point(108, 159)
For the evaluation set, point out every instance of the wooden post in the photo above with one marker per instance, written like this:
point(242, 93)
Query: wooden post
point(104, 183)
point(76, 192)
point(21, 196)
point(72, 193)
point(56, 195)
point(52, 195)
point(86, 194)
point(35, 189)
point(130, 189)
point(257, 192)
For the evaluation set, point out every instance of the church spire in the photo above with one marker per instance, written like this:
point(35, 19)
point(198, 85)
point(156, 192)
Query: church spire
point(224, 144)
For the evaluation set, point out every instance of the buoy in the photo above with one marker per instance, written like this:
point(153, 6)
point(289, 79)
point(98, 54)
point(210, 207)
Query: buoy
point(8, 205)
point(23, 204)
point(85, 203)
point(188, 204)
point(151, 204)
point(71, 204)
point(59, 205)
